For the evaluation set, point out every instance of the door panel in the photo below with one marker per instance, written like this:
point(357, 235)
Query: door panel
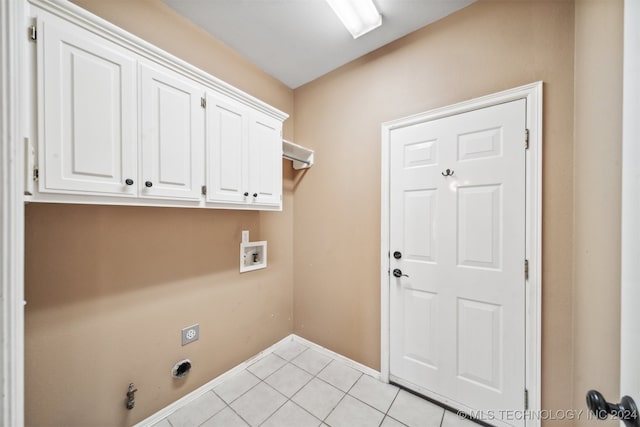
point(265, 160)
point(88, 113)
point(480, 144)
point(479, 343)
point(172, 135)
point(421, 345)
point(458, 320)
point(479, 226)
point(226, 150)
point(419, 225)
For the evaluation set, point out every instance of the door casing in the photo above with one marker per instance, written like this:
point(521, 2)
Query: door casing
point(630, 273)
point(532, 93)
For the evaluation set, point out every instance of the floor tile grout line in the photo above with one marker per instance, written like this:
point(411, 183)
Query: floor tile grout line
point(392, 402)
point(274, 389)
point(442, 419)
point(386, 414)
point(307, 371)
point(277, 409)
point(296, 392)
point(370, 405)
point(334, 408)
point(344, 395)
point(240, 416)
point(215, 413)
point(245, 392)
point(294, 403)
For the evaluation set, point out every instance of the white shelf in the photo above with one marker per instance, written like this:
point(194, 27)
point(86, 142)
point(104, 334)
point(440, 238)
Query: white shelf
point(302, 157)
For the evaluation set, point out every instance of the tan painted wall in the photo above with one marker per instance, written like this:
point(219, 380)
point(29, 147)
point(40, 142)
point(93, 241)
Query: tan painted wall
point(484, 48)
point(109, 288)
point(597, 180)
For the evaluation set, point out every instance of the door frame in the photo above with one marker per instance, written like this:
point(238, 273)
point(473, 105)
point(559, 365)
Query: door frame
point(532, 93)
point(630, 226)
point(11, 216)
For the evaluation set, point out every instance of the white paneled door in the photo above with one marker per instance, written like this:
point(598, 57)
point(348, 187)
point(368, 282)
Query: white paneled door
point(457, 240)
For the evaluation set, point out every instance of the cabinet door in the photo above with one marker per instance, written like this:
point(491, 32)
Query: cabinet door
point(87, 112)
point(227, 134)
point(172, 122)
point(265, 160)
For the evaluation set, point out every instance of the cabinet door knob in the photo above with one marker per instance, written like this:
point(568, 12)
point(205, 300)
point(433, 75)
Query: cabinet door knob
point(128, 181)
point(255, 194)
point(148, 184)
point(246, 194)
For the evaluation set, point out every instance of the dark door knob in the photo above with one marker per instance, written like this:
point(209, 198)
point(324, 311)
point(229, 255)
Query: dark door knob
point(626, 410)
point(148, 184)
point(246, 194)
point(397, 254)
point(128, 181)
point(398, 273)
point(255, 194)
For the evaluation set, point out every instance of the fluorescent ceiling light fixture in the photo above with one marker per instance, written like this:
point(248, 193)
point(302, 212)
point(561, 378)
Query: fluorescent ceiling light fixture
point(359, 16)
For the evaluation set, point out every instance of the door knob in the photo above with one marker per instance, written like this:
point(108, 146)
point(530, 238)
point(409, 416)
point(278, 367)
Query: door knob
point(397, 254)
point(255, 194)
point(128, 181)
point(148, 184)
point(626, 410)
point(246, 194)
point(398, 273)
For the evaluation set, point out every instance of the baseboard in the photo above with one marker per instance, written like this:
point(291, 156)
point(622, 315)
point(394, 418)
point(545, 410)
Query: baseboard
point(195, 394)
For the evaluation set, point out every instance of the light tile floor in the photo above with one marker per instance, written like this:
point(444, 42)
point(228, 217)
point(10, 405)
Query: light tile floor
point(296, 386)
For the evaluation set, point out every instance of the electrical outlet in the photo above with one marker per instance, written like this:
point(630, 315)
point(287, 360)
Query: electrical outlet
point(190, 334)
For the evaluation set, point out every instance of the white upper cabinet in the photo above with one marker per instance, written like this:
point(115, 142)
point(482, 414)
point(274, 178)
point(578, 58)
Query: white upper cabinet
point(87, 113)
point(120, 121)
point(244, 154)
point(172, 129)
point(265, 160)
point(227, 135)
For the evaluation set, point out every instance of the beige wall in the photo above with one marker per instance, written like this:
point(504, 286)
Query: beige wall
point(484, 48)
point(109, 288)
point(597, 178)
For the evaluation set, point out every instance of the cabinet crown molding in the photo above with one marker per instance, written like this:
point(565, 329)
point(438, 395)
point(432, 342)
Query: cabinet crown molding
point(87, 20)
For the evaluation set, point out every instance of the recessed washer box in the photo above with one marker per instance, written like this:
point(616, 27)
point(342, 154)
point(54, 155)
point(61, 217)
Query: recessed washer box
point(253, 255)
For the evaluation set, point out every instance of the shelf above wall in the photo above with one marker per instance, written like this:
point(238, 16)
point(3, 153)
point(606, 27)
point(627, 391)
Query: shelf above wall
point(302, 157)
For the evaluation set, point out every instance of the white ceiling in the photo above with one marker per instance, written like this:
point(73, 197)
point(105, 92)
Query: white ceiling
point(297, 41)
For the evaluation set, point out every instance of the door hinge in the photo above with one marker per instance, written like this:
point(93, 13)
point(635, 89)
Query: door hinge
point(526, 269)
point(33, 33)
point(203, 102)
point(526, 399)
point(526, 139)
point(36, 173)
point(204, 190)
